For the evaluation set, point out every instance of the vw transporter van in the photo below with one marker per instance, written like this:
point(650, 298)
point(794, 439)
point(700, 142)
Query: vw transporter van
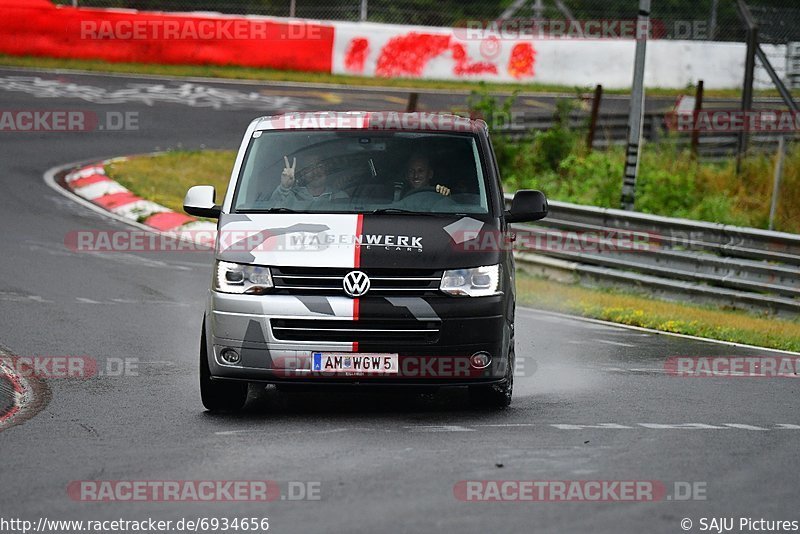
point(362, 249)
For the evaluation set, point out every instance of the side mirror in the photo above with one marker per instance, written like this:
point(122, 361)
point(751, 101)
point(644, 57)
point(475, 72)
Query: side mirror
point(527, 205)
point(200, 201)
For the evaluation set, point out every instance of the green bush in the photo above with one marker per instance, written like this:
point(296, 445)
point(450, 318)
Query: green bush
point(485, 106)
point(670, 181)
point(552, 146)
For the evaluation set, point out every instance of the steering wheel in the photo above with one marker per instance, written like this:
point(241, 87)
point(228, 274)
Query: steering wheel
point(426, 189)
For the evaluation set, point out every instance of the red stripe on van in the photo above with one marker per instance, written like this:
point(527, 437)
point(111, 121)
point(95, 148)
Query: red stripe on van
point(357, 252)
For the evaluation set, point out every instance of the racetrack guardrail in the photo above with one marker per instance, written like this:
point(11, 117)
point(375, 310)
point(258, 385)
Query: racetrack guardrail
point(709, 262)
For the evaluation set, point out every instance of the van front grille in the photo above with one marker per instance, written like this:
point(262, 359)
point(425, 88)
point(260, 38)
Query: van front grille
point(328, 281)
point(364, 330)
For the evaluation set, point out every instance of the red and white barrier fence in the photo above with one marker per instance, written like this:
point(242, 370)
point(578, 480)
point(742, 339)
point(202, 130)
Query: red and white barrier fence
point(39, 28)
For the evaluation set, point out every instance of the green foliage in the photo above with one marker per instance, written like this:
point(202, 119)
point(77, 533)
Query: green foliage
point(486, 106)
point(670, 181)
point(552, 146)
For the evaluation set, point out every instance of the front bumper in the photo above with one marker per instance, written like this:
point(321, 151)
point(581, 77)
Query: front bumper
point(465, 326)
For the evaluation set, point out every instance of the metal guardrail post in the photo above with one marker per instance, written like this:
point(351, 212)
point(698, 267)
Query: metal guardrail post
point(598, 95)
point(633, 148)
point(776, 184)
point(411, 105)
point(712, 25)
point(698, 107)
point(749, 73)
point(793, 64)
point(782, 89)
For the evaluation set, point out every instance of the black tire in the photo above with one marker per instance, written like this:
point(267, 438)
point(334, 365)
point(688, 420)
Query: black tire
point(495, 396)
point(218, 395)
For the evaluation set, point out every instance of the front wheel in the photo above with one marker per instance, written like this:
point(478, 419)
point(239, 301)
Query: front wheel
point(218, 395)
point(496, 396)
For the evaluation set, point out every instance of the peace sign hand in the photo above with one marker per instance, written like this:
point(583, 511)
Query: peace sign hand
point(287, 175)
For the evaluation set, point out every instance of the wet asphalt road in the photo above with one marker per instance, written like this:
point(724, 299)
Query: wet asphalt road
point(592, 401)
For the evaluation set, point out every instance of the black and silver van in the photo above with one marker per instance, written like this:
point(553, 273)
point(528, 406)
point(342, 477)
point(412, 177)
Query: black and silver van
point(362, 248)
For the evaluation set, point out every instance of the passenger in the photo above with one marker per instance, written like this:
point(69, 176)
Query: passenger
point(315, 184)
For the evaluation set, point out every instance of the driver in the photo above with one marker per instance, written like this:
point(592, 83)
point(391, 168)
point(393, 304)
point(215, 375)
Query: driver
point(419, 176)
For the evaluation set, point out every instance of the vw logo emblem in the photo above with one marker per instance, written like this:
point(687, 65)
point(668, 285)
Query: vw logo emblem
point(355, 283)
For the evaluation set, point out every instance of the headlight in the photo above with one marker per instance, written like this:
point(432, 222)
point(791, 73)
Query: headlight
point(475, 282)
point(236, 278)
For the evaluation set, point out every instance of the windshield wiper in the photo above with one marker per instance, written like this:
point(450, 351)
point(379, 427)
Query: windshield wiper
point(271, 210)
point(411, 212)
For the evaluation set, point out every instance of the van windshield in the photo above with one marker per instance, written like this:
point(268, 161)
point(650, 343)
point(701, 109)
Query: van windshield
point(346, 171)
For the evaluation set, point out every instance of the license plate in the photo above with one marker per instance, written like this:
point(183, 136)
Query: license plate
point(353, 364)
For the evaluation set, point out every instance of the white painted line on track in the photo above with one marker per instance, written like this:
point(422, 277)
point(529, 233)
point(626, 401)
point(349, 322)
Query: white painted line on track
point(505, 425)
point(332, 431)
point(594, 426)
point(261, 432)
point(439, 428)
point(617, 343)
point(568, 427)
point(531, 313)
point(234, 432)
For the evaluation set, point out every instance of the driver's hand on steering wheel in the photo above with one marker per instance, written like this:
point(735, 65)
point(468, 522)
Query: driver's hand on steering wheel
point(442, 190)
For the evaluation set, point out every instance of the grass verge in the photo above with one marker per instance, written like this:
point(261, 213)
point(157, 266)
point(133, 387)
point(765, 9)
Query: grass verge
point(668, 316)
point(165, 178)
point(246, 73)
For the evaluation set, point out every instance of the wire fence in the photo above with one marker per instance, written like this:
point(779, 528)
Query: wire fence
point(779, 20)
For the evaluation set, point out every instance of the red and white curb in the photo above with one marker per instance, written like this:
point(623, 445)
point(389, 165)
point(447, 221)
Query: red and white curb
point(21, 396)
point(91, 183)
point(14, 391)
